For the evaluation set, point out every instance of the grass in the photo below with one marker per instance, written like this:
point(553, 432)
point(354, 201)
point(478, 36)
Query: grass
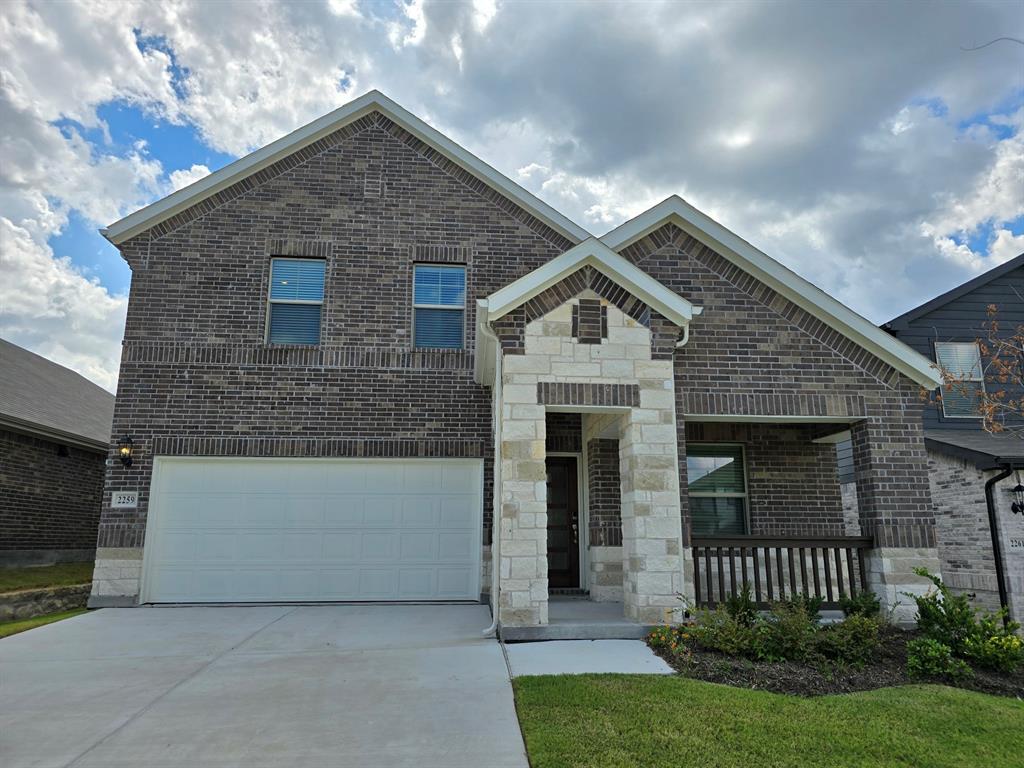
point(60, 575)
point(620, 721)
point(14, 627)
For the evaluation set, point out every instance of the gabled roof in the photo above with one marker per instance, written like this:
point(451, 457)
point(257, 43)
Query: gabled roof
point(592, 253)
point(163, 209)
point(804, 294)
point(985, 449)
point(43, 398)
point(956, 293)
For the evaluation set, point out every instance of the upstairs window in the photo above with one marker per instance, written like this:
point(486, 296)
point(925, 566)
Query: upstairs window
point(963, 361)
point(439, 306)
point(717, 490)
point(296, 301)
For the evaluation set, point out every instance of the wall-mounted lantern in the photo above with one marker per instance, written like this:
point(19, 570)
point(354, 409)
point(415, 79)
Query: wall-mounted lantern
point(124, 450)
point(1017, 506)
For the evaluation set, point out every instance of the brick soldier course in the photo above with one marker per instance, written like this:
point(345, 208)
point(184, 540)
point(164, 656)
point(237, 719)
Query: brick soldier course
point(372, 199)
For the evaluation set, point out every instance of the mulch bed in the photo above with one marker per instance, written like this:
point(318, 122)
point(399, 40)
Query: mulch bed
point(888, 668)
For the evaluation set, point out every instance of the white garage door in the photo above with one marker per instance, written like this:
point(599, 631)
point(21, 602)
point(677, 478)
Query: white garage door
point(249, 530)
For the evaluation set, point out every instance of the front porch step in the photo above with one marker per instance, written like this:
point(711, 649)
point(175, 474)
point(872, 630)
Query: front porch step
point(612, 630)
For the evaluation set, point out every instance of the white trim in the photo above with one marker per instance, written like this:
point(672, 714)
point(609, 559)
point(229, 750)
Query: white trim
point(776, 276)
point(163, 209)
point(593, 253)
point(446, 307)
point(764, 419)
point(979, 379)
point(272, 301)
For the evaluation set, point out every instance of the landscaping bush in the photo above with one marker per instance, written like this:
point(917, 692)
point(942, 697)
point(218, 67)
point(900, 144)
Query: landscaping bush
point(927, 657)
point(718, 630)
point(861, 604)
point(981, 637)
point(741, 606)
point(851, 641)
point(786, 634)
point(810, 604)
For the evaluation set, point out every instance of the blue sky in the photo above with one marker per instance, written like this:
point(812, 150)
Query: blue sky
point(866, 148)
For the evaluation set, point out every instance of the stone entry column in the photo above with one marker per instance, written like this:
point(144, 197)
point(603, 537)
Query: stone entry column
point(524, 512)
point(895, 506)
point(652, 557)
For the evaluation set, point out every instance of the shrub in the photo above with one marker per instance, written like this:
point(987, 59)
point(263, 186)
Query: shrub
point(861, 604)
point(927, 657)
point(719, 631)
point(1002, 652)
point(810, 604)
point(851, 641)
point(661, 637)
point(741, 606)
point(786, 634)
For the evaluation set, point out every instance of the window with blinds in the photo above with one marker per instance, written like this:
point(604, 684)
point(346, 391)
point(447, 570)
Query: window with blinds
point(439, 306)
point(717, 489)
point(962, 360)
point(296, 301)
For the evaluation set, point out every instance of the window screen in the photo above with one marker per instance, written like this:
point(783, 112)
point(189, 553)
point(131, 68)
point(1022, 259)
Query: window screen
point(296, 301)
point(439, 306)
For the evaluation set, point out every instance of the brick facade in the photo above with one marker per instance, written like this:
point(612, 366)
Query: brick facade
point(49, 500)
point(198, 379)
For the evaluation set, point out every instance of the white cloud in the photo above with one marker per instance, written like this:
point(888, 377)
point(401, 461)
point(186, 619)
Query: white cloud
point(50, 307)
point(842, 158)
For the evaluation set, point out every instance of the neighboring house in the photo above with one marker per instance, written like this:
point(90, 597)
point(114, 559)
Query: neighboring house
point(962, 457)
point(54, 437)
point(349, 353)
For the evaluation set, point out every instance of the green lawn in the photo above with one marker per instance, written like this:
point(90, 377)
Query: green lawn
point(62, 574)
point(14, 627)
point(651, 721)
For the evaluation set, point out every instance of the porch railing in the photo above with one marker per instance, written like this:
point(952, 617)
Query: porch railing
point(777, 568)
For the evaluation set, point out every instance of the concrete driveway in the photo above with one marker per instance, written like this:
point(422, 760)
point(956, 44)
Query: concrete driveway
point(259, 686)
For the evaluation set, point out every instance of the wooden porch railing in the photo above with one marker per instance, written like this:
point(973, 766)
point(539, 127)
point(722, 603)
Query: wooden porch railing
point(777, 568)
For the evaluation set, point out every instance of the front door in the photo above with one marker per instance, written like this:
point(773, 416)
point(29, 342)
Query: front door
point(563, 523)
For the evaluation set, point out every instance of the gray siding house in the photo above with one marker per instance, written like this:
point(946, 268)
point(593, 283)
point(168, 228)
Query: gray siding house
point(973, 472)
point(54, 437)
point(362, 365)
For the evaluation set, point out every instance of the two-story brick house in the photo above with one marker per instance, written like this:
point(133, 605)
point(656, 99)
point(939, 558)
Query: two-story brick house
point(350, 353)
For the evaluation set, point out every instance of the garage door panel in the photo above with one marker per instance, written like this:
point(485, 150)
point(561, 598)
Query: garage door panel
point(279, 529)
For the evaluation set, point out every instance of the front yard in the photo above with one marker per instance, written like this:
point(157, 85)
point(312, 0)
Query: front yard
point(60, 575)
point(649, 722)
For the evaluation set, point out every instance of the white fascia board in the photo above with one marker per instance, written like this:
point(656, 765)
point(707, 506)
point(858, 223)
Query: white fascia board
point(186, 197)
point(766, 269)
point(594, 253)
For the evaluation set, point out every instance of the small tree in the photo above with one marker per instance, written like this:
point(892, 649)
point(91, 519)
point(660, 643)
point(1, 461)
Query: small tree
point(1001, 400)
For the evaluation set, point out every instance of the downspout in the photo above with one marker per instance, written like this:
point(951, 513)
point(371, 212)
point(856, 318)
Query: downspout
point(996, 548)
point(675, 418)
point(496, 411)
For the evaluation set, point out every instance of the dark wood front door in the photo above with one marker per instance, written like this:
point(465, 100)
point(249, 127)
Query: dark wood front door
point(563, 523)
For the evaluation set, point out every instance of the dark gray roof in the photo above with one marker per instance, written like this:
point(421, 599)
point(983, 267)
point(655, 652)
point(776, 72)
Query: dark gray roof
point(985, 449)
point(40, 396)
point(898, 323)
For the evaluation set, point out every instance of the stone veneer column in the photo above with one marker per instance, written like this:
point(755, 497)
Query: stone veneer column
point(652, 557)
point(524, 515)
point(895, 507)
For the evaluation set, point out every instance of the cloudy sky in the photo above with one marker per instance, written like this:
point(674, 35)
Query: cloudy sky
point(860, 144)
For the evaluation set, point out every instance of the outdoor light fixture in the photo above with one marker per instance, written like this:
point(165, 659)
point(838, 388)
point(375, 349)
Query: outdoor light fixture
point(1017, 507)
point(124, 450)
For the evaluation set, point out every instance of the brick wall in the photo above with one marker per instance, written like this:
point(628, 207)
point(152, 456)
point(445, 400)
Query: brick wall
point(753, 351)
point(48, 503)
point(604, 493)
point(196, 377)
point(792, 484)
point(563, 432)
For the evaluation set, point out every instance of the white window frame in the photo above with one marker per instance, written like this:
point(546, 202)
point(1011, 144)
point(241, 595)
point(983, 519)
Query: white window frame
point(980, 380)
point(725, 494)
point(271, 302)
point(452, 307)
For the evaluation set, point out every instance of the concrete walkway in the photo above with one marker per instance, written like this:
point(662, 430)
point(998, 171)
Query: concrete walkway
point(577, 657)
point(259, 686)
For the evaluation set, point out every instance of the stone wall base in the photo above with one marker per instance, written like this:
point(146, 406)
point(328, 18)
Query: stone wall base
point(605, 578)
point(118, 573)
point(890, 575)
point(36, 602)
